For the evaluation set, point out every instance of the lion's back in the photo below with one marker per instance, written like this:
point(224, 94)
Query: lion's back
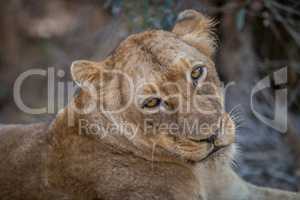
point(17, 140)
point(21, 151)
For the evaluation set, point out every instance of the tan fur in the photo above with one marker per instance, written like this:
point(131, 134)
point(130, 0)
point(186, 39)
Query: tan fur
point(62, 161)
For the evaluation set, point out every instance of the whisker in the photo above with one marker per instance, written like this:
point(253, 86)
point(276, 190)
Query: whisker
point(239, 120)
point(234, 164)
point(236, 117)
point(234, 161)
point(236, 114)
point(234, 108)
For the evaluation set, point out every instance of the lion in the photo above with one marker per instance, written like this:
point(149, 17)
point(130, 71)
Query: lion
point(151, 79)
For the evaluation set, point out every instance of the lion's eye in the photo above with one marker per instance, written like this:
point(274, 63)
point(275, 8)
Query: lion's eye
point(151, 102)
point(198, 72)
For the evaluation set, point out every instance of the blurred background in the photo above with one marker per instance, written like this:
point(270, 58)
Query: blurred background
point(256, 38)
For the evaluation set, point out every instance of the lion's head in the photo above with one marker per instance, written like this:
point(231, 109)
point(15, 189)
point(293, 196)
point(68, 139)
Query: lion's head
point(162, 86)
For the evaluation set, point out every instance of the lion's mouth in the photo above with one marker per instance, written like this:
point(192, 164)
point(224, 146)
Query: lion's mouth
point(218, 141)
point(211, 140)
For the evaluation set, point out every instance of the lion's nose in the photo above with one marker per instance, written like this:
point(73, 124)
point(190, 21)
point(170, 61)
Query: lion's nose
point(212, 138)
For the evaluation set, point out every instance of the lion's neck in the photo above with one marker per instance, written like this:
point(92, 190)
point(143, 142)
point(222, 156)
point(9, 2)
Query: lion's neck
point(220, 181)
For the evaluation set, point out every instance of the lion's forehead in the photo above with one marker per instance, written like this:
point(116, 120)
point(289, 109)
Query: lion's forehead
point(154, 50)
point(158, 58)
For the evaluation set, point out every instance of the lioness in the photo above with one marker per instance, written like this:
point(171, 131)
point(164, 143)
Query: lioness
point(153, 78)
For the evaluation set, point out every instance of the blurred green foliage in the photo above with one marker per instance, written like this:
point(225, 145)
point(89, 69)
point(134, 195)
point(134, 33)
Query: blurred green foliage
point(145, 14)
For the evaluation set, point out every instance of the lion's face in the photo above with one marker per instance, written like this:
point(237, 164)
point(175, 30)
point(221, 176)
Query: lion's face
point(165, 84)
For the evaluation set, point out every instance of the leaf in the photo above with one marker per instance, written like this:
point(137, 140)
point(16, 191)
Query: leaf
point(241, 19)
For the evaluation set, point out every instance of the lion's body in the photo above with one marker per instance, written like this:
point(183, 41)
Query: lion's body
point(28, 172)
point(21, 169)
point(61, 161)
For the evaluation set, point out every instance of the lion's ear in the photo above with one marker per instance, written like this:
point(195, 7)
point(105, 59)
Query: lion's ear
point(197, 30)
point(85, 72)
